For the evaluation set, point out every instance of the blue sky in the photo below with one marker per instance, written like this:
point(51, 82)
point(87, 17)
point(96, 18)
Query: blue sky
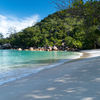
point(15, 15)
point(23, 8)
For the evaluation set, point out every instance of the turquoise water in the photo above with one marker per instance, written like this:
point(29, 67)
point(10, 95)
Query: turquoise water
point(16, 64)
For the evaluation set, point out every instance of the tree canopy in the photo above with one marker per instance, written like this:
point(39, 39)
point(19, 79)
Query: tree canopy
point(76, 27)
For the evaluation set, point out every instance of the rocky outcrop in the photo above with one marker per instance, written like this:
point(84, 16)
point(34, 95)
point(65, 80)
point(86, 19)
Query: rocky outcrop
point(5, 46)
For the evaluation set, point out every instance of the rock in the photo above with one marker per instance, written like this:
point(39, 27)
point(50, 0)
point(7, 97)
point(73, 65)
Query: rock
point(47, 50)
point(63, 44)
point(6, 46)
point(50, 48)
point(31, 49)
point(55, 48)
point(67, 48)
point(19, 49)
point(43, 49)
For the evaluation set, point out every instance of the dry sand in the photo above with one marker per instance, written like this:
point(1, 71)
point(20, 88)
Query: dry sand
point(76, 80)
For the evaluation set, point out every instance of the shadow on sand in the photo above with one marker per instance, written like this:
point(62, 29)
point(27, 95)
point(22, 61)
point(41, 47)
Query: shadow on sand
point(77, 80)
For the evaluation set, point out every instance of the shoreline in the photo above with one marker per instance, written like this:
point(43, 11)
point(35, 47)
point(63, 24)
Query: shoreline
point(58, 63)
point(92, 53)
point(46, 83)
point(82, 55)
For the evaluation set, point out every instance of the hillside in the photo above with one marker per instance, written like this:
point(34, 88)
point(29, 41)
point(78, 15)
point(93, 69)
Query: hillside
point(77, 27)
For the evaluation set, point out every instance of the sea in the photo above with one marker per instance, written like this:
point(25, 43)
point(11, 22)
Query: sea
point(18, 64)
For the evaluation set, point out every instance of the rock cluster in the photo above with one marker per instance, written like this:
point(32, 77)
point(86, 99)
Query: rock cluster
point(49, 48)
point(5, 46)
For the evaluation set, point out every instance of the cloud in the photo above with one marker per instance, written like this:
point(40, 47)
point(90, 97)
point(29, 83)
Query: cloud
point(10, 24)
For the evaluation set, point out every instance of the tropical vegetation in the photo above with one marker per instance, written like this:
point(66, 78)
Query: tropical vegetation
point(77, 26)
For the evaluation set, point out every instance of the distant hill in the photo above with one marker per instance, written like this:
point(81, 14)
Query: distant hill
point(77, 27)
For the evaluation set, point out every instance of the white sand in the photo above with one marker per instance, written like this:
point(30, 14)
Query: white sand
point(77, 80)
point(92, 53)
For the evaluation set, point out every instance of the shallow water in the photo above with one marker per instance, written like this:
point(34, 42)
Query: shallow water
point(16, 64)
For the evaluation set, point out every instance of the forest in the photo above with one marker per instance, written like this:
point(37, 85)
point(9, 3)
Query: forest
point(77, 26)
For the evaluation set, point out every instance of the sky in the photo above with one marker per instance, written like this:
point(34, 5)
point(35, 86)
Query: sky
point(15, 15)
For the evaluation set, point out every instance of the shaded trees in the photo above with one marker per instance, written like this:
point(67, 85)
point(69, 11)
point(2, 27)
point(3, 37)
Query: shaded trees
point(1, 36)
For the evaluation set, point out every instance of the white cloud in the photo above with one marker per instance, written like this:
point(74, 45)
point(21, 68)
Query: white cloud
point(9, 23)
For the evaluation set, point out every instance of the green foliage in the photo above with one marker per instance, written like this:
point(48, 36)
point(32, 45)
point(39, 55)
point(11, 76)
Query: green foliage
point(70, 42)
point(98, 41)
point(78, 27)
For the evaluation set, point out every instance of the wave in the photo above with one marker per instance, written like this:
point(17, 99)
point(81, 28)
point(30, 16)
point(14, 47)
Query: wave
point(22, 72)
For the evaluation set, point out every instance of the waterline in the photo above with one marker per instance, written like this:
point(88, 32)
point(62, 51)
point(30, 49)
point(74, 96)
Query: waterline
point(17, 64)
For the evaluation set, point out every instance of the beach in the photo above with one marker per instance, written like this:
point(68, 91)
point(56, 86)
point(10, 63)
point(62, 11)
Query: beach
point(74, 80)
